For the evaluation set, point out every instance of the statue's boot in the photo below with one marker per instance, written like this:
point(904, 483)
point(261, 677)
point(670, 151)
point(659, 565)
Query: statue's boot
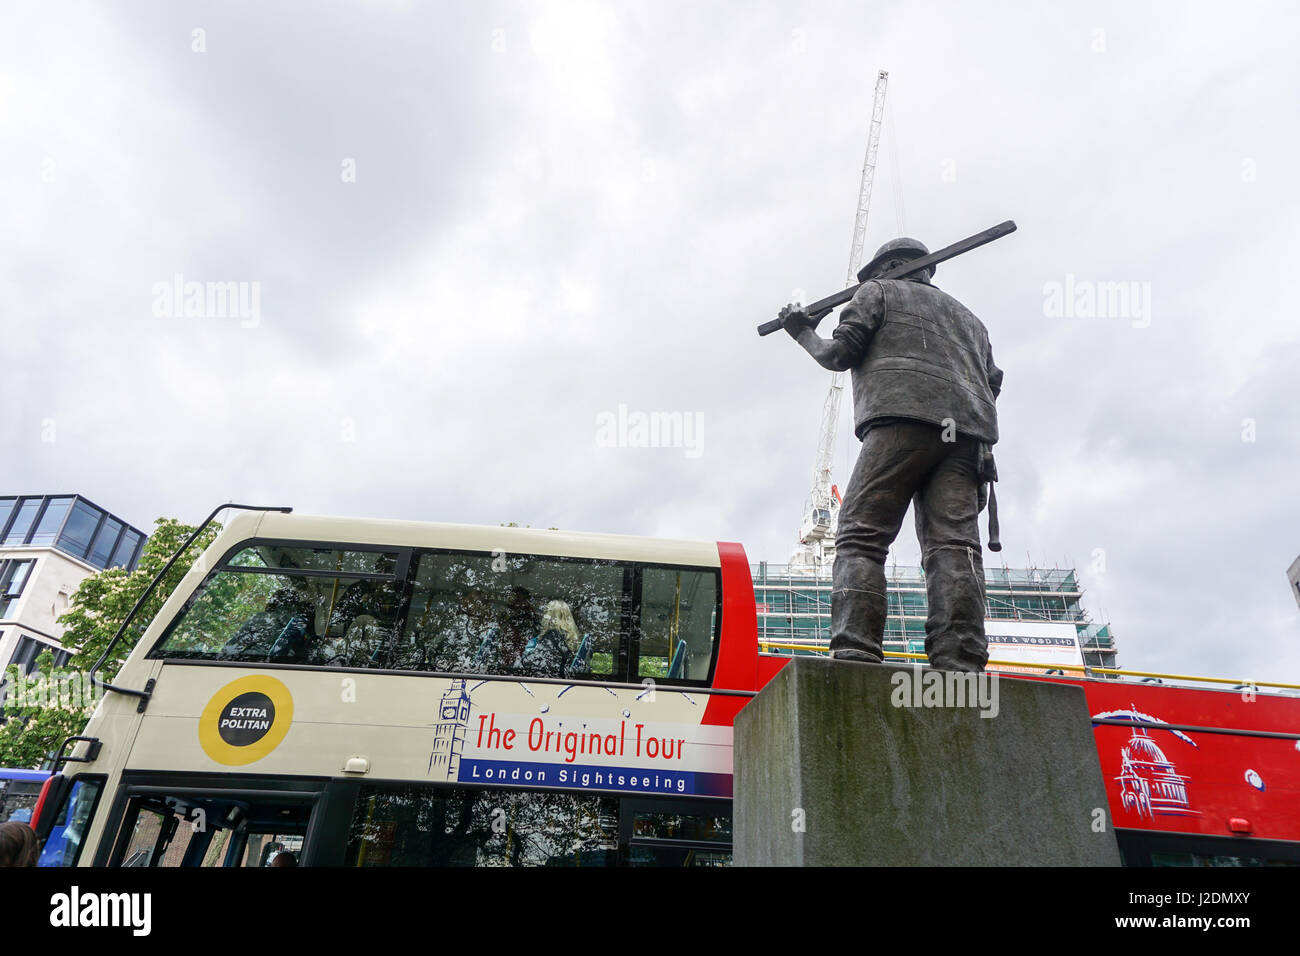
point(954, 627)
point(859, 606)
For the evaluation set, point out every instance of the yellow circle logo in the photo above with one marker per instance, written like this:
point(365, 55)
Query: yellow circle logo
point(245, 720)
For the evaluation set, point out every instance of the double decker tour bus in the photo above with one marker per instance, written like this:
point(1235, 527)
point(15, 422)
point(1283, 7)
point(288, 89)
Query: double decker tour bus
point(382, 693)
point(372, 693)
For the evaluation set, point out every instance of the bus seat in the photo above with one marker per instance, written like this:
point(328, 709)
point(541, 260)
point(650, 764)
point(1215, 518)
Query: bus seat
point(678, 667)
point(582, 660)
point(367, 638)
point(292, 640)
point(484, 646)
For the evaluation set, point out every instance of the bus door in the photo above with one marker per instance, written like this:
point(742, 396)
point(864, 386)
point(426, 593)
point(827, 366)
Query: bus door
point(235, 825)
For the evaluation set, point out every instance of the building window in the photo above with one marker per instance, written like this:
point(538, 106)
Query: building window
point(29, 649)
point(22, 522)
point(105, 542)
point(71, 524)
point(6, 509)
point(13, 578)
point(51, 520)
point(80, 529)
point(124, 556)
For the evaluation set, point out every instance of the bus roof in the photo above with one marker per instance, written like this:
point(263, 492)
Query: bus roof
point(13, 773)
point(375, 531)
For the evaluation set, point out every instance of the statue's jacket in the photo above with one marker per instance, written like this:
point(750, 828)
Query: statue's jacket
point(922, 355)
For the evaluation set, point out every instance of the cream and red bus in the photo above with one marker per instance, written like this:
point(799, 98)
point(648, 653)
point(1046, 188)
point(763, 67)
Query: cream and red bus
point(358, 692)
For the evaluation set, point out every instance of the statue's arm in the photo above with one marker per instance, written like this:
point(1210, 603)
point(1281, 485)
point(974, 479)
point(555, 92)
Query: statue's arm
point(848, 344)
point(833, 354)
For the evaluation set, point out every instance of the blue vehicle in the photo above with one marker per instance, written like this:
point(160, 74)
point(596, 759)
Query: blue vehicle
point(19, 790)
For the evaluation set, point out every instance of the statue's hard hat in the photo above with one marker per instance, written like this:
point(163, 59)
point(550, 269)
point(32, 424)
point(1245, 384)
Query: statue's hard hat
point(907, 248)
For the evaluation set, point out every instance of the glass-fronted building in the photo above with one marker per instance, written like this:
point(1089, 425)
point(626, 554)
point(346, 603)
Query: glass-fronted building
point(794, 606)
point(48, 545)
point(73, 525)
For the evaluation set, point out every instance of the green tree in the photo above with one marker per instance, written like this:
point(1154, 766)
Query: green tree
point(40, 712)
point(104, 600)
point(56, 703)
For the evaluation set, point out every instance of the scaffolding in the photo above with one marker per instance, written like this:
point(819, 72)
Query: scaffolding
point(794, 605)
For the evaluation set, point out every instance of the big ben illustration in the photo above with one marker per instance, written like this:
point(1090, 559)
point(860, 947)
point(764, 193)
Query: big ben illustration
point(449, 731)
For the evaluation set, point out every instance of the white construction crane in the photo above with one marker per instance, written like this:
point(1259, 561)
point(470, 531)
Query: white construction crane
point(816, 547)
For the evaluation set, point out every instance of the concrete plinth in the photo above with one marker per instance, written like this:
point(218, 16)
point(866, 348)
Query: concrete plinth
point(845, 764)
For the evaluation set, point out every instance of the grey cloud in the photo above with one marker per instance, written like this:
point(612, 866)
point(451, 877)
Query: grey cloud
point(601, 212)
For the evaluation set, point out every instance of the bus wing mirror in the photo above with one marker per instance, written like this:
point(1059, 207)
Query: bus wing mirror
point(53, 796)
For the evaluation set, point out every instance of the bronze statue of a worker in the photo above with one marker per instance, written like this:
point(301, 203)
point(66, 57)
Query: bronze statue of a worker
point(924, 387)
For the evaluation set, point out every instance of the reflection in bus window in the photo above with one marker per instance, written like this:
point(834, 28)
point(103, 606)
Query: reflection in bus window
point(162, 837)
point(676, 856)
point(660, 825)
point(63, 846)
point(246, 612)
point(215, 854)
point(475, 613)
point(540, 616)
point(1188, 858)
point(145, 835)
point(19, 791)
point(444, 826)
point(679, 623)
point(263, 848)
point(169, 829)
point(676, 838)
point(269, 557)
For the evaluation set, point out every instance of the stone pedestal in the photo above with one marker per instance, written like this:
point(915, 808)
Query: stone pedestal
point(839, 763)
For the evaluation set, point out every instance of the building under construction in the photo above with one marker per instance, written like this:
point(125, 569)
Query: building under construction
point(794, 607)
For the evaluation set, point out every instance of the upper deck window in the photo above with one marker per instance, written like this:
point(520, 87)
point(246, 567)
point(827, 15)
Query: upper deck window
point(516, 614)
point(316, 560)
point(453, 612)
point(293, 605)
point(679, 623)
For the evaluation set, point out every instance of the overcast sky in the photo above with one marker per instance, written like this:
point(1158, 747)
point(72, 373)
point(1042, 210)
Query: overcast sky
point(473, 229)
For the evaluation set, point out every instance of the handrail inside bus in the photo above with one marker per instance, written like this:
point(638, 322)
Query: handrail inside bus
point(146, 693)
point(649, 684)
point(1088, 671)
point(1194, 728)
